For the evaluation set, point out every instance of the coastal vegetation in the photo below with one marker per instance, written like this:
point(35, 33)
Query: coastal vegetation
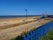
point(48, 36)
point(21, 37)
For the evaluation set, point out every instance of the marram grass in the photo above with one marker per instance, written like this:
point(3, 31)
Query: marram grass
point(48, 36)
point(21, 37)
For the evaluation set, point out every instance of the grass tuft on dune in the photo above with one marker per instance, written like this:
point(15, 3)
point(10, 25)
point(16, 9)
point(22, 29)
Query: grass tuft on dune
point(48, 36)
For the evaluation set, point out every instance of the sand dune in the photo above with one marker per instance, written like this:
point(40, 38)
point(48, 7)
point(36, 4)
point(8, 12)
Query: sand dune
point(12, 32)
point(6, 23)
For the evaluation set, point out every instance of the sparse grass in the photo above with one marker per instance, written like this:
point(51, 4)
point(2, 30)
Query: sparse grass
point(16, 24)
point(20, 37)
point(48, 36)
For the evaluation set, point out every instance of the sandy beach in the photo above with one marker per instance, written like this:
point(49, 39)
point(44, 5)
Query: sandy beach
point(9, 33)
point(8, 22)
point(12, 27)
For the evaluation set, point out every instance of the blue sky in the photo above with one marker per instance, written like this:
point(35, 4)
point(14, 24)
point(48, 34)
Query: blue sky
point(34, 7)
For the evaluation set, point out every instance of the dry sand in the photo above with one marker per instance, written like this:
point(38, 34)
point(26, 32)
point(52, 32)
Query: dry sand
point(12, 32)
point(6, 23)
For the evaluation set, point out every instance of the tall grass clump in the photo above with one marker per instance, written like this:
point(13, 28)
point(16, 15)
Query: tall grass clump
point(48, 36)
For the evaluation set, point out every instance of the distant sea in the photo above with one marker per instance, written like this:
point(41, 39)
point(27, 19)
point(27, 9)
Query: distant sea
point(17, 16)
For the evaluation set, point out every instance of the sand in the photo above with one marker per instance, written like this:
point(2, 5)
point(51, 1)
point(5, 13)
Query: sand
point(9, 32)
point(6, 23)
point(12, 32)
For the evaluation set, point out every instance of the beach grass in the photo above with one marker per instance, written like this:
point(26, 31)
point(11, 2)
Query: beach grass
point(48, 36)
